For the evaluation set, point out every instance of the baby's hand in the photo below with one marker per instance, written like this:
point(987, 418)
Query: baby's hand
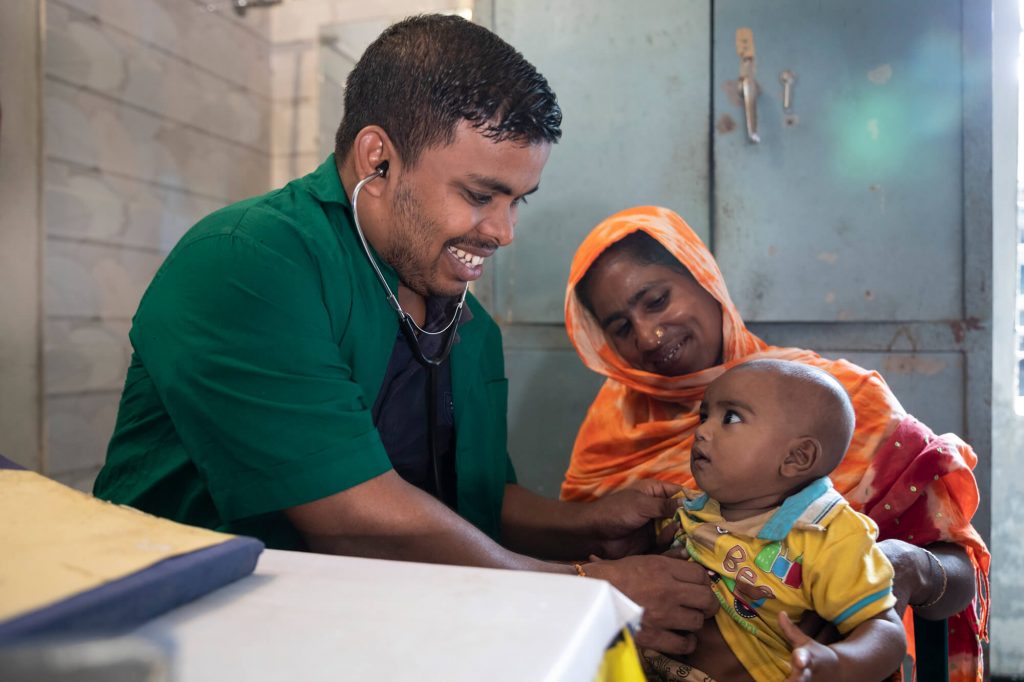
point(811, 660)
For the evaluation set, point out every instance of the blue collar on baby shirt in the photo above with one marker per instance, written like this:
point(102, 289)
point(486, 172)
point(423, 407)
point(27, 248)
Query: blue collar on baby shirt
point(808, 508)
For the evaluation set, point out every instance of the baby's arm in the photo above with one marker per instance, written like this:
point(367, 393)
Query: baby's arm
point(871, 651)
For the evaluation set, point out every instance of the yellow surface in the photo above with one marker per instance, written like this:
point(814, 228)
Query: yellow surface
point(621, 662)
point(56, 542)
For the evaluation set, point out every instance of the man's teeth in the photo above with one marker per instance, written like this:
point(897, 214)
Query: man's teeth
point(467, 258)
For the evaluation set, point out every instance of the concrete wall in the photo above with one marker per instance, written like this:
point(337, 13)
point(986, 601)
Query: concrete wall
point(303, 125)
point(156, 112)
point(20, 225)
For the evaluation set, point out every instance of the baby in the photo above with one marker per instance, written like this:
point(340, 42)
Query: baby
point(777, 540)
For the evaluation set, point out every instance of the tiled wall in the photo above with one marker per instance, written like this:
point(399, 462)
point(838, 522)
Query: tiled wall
point(295, 82)
point(303, 124)
point(294, 87)
point(20, 239)
point(156, 113)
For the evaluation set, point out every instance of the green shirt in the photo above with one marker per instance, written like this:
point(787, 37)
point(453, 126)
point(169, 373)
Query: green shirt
point(259, 350)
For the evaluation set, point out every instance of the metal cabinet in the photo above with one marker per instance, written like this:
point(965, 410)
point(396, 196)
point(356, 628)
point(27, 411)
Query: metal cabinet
point(859, 223)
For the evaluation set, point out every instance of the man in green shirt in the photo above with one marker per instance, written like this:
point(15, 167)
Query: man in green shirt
point(271, 390)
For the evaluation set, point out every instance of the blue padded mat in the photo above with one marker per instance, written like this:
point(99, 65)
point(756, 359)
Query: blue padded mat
point(8, 464)
point(130, 601)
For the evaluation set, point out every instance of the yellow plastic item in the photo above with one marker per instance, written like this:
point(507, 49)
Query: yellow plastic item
point(621, 661)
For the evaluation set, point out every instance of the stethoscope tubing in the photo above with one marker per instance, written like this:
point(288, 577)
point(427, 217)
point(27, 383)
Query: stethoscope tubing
point(408, 328)
point(391, 298)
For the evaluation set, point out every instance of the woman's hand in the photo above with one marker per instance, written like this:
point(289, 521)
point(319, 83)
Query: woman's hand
point(937, 585)
point(911, 569)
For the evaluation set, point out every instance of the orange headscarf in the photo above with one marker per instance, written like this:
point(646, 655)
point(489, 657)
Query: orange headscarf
point(917, 486)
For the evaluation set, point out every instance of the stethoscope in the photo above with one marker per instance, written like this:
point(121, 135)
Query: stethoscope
point(409, 328)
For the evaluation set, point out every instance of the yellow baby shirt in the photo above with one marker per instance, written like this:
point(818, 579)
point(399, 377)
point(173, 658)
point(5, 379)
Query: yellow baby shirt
point(812, 553)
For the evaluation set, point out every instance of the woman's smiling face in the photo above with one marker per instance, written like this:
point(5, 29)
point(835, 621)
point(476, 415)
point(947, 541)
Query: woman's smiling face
point(657, 318)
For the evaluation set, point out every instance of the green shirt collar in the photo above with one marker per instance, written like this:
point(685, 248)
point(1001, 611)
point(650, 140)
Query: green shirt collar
point(325, 184)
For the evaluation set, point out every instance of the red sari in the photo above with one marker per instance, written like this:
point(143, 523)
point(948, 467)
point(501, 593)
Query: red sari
point(917, 486)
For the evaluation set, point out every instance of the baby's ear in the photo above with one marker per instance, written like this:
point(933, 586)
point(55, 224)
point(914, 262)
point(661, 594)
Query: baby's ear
point(803, 456)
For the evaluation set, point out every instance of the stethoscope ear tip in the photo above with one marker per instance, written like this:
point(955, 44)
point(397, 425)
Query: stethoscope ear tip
point(408, 325)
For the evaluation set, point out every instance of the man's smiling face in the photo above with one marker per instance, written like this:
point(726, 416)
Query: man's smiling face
point(456, 206)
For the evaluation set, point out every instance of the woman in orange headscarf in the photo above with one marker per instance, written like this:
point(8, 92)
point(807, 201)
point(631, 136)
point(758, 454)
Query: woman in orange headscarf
point(646, 306)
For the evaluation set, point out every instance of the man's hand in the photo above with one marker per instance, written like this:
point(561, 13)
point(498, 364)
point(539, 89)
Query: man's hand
point(614, 526)
point(623, 522)
point(810, 659)
point(676, 596)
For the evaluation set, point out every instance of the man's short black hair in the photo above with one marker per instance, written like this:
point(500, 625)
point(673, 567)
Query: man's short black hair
point(426, 74)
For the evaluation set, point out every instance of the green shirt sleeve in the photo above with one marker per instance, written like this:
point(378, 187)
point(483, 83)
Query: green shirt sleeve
point(238, 340)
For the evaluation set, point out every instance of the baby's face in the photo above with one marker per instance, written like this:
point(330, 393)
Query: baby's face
point(744, 435)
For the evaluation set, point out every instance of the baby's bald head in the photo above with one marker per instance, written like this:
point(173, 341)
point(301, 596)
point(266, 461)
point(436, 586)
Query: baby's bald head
point(815, 401)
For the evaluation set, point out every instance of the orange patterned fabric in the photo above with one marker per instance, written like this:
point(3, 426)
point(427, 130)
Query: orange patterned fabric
point(917, 486)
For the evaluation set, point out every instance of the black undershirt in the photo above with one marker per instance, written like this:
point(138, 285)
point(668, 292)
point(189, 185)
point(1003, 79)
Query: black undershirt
point(400, 412)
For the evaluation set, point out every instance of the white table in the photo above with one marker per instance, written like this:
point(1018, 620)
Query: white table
point(315, 617)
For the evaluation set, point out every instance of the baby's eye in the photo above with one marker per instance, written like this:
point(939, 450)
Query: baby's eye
point(622, 331)
point(703, 417)
point(731, 417)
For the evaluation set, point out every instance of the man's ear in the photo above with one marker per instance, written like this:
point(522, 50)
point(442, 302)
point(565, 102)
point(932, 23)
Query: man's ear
point(372, 148)
point(803, 456)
